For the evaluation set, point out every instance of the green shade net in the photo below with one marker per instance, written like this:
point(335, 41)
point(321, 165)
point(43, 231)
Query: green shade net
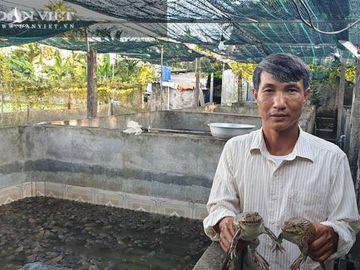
point(27, 32)
point(146, 49)
point(251, 29)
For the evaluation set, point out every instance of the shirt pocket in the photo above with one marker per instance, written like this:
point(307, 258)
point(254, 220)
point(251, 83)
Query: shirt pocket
point(308, 205)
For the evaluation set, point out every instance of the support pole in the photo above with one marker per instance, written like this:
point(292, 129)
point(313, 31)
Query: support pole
point(354, 141)
point(2, 102)
point(168, 98)
point(161, 76)
point(211, 88)
point(197, 84)
point(91, 84)
point(340, 105)
point(91, 107)
point(239, 88)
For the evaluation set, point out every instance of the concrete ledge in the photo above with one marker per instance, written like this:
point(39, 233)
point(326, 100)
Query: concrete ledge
point(110, 198)
point(211, 259)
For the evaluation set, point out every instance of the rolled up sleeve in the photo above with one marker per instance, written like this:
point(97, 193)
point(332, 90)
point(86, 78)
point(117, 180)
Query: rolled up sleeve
point(223, 200)
point(343, 211)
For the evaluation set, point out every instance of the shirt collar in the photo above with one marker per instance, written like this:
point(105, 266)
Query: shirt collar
point(301, 149)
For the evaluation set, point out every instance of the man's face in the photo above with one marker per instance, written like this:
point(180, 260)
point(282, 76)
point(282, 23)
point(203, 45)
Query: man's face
point(280, 103)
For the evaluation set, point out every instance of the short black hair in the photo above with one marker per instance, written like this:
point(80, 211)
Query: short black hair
point(284, 67)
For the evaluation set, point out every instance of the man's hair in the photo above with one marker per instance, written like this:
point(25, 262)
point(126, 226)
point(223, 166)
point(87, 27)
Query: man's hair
point(284, 67)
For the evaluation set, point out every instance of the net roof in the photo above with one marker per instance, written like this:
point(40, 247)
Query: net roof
point(251, 29)
point(148, 50)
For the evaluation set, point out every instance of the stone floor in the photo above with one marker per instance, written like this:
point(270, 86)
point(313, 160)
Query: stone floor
point(76, 235)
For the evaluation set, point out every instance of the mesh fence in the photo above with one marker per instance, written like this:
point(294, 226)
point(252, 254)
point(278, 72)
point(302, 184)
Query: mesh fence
point(251, 29)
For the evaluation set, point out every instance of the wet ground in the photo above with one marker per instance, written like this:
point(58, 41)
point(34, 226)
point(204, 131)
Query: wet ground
point(84, 236)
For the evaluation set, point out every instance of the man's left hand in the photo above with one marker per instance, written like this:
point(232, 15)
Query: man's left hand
point(325, 243)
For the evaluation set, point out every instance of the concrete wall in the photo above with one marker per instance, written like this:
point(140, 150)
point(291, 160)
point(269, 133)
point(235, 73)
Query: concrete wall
point(245, 113)
point(94, 161)
point(180, 120)
point(13, 170)
point(161, 165)
point(36, 116)
point(160, 173)
point(12, 165)
point(230, 88)
point(189, 119)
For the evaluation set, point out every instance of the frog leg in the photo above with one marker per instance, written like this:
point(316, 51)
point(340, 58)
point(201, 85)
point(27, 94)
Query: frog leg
point(226, 263)
point(298, 262)
point(259, 260)
point(234, 242)
point(276, 240)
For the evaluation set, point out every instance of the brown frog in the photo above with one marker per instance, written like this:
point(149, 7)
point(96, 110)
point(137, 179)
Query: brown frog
point(301, 232)
point(248, 226)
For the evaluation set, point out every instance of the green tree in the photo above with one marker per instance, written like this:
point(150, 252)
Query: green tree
point(146, 74)
point(104, 69)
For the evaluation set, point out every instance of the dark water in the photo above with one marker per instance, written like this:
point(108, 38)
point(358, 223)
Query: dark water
point(84, 236)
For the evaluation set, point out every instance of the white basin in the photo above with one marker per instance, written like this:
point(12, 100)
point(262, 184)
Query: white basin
point(228, 130)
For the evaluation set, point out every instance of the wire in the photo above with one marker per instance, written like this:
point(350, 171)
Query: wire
point(310, 23)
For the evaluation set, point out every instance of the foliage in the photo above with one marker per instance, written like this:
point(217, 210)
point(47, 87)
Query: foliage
point(104, 69)
point(39, 74)
point(60, 6)
point(331, 74)
point(212, 66)
point(146, 74)
point(350, 73)
point(21, 64)
point(5, 71)
point(325, 78)
point(245, 70)
point(126, 69)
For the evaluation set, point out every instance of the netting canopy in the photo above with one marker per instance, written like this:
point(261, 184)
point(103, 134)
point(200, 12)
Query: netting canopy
point(250, 29)
point(145, 49)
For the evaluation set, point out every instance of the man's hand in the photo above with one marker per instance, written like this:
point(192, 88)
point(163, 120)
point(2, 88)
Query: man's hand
point(325, 243)
point(225, 229)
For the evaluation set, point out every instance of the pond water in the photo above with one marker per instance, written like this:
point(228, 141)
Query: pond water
point(84, 236)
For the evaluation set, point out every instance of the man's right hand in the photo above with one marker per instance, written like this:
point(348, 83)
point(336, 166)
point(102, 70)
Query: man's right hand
point(226, 231)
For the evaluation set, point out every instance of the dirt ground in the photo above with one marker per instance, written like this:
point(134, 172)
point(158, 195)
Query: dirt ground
point(83, 236)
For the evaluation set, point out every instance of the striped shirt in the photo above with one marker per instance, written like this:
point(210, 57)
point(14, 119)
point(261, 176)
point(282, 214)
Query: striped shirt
point(314, 182)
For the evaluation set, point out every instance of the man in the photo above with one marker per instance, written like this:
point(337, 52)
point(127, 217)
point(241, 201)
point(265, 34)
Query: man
point(281, 171)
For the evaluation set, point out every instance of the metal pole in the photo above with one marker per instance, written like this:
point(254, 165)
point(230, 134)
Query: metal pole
point(161, 75)
point(168, 94)
point(197, 84)
point(87, 40)
point(211, 88)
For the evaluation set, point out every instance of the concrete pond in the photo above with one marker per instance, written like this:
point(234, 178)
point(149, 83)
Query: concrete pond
point(47, 232)
point(166, 170)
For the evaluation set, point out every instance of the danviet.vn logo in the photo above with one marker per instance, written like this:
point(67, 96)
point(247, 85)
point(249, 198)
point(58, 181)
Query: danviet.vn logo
point(19, 16)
